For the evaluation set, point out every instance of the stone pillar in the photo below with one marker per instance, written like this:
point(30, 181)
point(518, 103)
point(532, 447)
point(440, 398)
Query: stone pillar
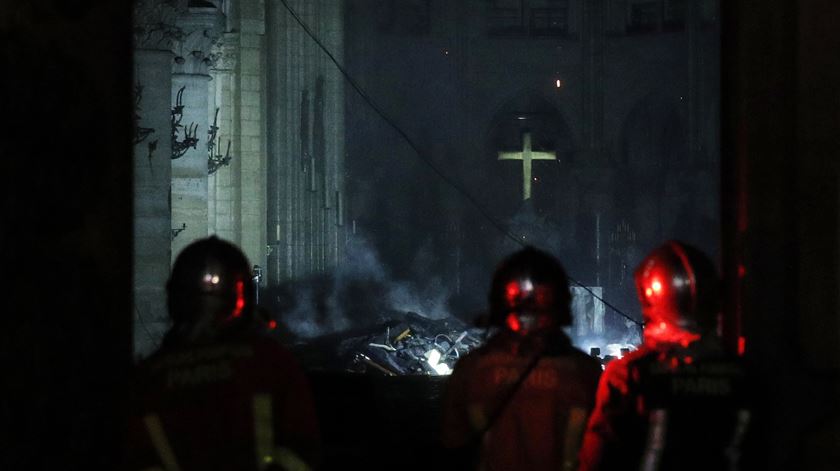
point(154, 31)
point(250, 135)
point(332, 34)
point(276, 103)
point(305, 140)
point(201, 29)
point(224, 184)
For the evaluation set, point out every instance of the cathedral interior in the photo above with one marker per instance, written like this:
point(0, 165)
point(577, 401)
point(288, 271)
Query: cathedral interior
point(359, 152)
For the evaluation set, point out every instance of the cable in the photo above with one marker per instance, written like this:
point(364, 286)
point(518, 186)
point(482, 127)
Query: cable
point(430, 164)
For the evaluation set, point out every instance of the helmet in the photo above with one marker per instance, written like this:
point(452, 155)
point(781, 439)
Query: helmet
point(530, 292)
point(210, 290)
point(678, 289)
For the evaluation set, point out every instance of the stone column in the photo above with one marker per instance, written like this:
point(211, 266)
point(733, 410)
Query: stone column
point(305, 140)
point(224, 184)
point(276, 102)
point(285, 160)
point(250, 133)
point(335, 230)
point(154, 33)
point(201, 28)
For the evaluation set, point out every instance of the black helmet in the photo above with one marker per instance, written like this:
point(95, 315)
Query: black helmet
point(530, 291)
point(678, 287)
point(209, 290)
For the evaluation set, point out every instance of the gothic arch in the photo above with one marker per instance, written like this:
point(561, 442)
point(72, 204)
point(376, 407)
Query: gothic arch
point(543, 113)
point(532, 111)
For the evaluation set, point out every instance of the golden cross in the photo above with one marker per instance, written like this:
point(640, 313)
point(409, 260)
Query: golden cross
point(527, 156)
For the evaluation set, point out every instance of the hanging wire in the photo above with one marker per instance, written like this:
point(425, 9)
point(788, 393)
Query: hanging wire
point(464, 193)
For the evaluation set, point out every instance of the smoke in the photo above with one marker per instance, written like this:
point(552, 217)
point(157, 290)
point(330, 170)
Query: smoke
point(430, 300)
point(359, 293)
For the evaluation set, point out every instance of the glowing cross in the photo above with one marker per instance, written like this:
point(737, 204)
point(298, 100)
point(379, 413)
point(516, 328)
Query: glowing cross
point(526, 156)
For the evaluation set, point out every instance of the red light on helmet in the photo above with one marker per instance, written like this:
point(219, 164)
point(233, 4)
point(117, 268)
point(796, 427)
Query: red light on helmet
point(513, 322)
point(512, 291)
point(240, 299)
point(272, 324)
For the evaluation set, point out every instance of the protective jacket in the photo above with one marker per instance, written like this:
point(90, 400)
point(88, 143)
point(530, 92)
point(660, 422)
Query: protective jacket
point(540, 425)
point(239, 404)
point(668, 408)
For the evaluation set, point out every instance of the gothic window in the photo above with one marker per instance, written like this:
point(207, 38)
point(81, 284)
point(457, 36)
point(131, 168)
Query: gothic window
point(406, 17)
point(535, 18)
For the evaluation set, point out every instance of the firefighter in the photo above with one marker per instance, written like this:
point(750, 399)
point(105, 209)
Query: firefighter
point(219, 394)
point(521, 400)
point(677, 403)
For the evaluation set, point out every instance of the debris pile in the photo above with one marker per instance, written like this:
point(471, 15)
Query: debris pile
point(411, 345)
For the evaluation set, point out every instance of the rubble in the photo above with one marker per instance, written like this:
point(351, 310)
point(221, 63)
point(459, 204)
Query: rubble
point(410, 345)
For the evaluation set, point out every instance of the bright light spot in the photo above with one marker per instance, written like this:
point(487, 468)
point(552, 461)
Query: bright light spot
point(657, 286)
point(614, 349)
point(214, 279)
point(272, 324)
point(434, 357)
point(208, 277)
point(434, 362)
point(527, 285)
point(662, 326)
point(648, 292)
point(558, 83)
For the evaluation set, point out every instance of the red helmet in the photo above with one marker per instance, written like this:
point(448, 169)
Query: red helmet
point(678, 289)
point(530, 292)
point(210, 290)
